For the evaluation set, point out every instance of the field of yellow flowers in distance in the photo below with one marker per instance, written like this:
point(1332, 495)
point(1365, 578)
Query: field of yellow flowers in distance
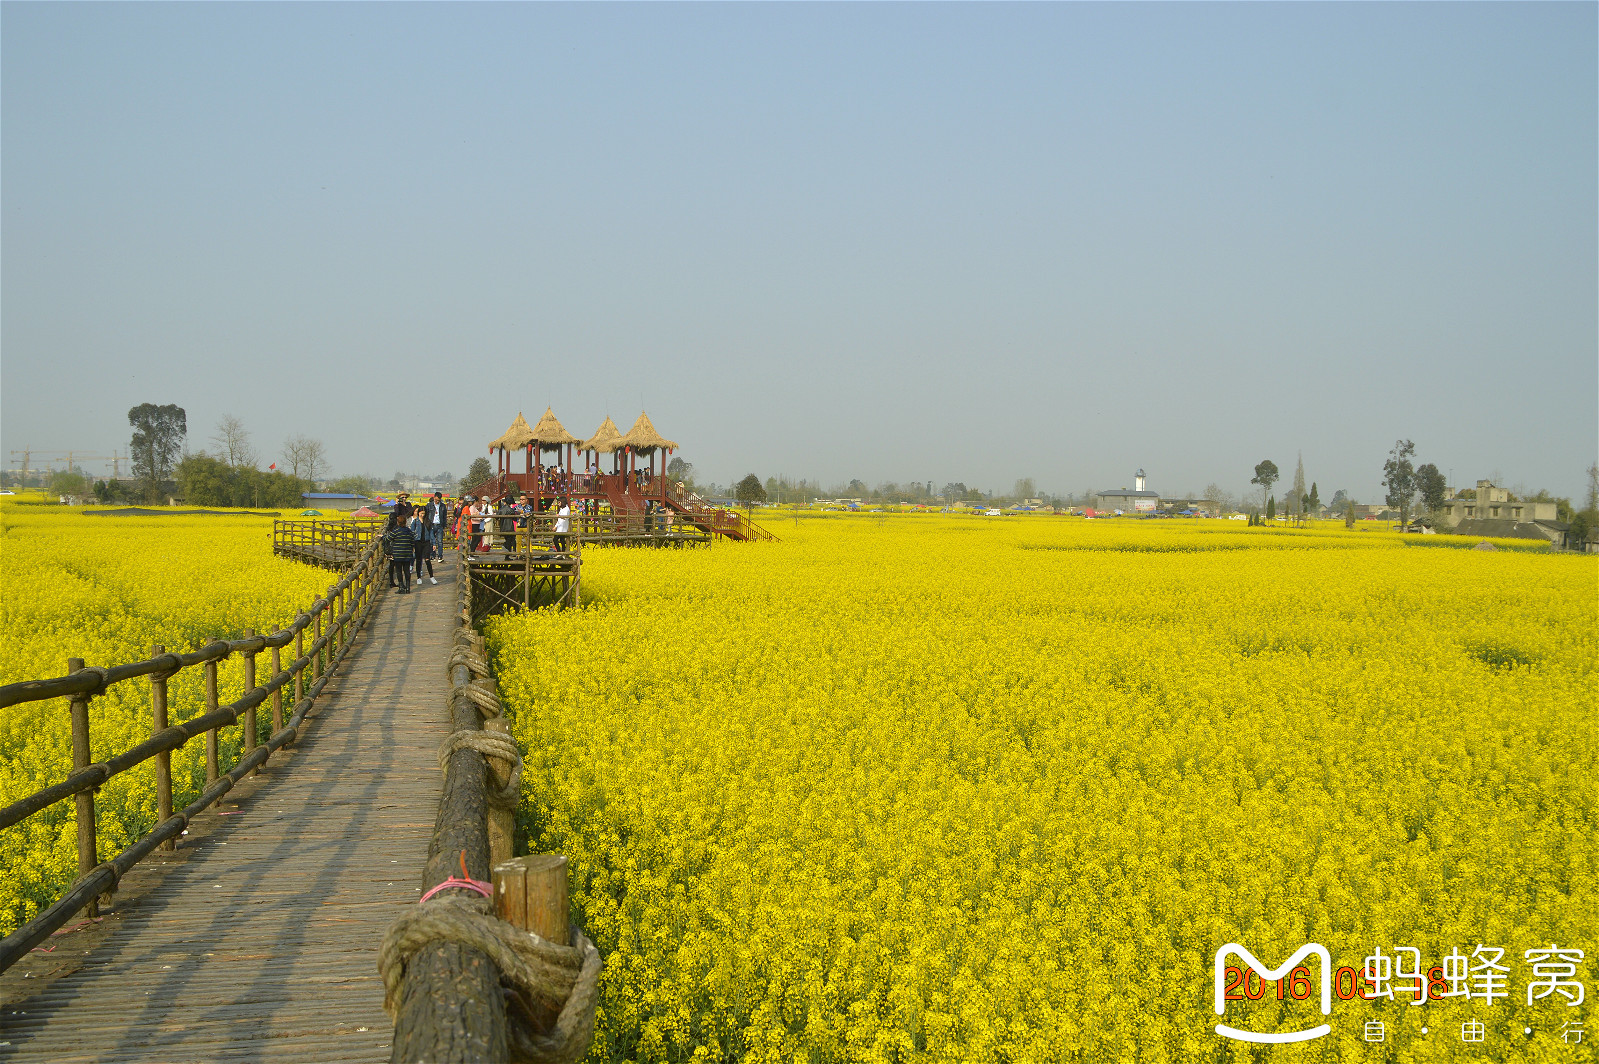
point(107, 589)
point(964, 789)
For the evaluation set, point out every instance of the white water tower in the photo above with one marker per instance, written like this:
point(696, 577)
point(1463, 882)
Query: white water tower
point(1138, 480)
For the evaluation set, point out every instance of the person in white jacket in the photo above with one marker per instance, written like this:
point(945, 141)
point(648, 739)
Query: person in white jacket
point(563, 524)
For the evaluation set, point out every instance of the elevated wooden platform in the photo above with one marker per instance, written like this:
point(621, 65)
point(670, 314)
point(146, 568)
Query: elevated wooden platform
point(329, 544)
point(523, 580)
point(257, 940)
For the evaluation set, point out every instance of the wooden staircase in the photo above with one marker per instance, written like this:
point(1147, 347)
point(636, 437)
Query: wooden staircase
point(715, 519)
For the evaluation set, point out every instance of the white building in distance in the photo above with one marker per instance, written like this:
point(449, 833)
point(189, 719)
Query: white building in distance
point(1138, 500)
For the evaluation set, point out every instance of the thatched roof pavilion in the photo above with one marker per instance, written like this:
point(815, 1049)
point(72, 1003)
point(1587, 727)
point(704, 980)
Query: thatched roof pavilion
point(549, 434)
point(607, 439)
point(518, 436)
point(643, 438)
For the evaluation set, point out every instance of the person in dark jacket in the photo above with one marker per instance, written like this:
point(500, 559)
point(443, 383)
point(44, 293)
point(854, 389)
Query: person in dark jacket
point(401, 547)
point(424, 550)
point(436, 517)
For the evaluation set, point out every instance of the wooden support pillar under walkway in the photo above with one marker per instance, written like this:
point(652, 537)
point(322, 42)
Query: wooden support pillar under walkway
point(257, 940)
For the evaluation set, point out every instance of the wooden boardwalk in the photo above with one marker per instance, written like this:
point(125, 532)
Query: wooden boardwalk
point(257, 940)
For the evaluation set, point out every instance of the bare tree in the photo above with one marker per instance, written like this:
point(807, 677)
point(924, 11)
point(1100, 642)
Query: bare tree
point(316, 459)
point(294, 453)
point(1217, 497)
point(233, 443)
point(304, 456)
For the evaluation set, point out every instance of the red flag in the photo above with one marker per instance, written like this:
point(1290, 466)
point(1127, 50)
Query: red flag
point(274, 465)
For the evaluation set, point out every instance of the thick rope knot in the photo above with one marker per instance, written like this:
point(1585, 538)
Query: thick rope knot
point(489, 744)
point(465, 655)
point(483, 695)
point(564, 980)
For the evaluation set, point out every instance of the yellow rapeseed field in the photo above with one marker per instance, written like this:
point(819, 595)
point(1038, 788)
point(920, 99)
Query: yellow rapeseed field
point(107, 589)
point(965, 789)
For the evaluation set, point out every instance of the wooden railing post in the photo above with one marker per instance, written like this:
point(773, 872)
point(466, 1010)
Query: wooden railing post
point(502, 819)
point(321, 654)
point(277, 693)
point(211, 772)
point(88, 851)
point(163, 760)
point(249, 686)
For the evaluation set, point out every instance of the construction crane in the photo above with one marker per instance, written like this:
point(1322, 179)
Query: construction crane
point(72, 457)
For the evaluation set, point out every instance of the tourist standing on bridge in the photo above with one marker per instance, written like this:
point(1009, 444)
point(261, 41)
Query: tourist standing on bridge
point(435, 519)
point(563, 524)
point(424, 551)
point(401, 545)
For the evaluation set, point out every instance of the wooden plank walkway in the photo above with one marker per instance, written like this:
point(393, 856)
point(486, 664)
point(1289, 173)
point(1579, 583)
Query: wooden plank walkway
point(258, 939)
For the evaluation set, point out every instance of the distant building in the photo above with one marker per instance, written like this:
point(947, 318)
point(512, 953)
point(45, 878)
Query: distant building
point(1138, 500)
point(1494, 504)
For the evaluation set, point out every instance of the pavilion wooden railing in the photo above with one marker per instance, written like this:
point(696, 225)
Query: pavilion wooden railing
point(332, 621)
point(719, 521)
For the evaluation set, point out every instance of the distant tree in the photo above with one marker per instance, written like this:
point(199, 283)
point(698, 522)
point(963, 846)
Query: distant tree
point(158, 434)
point(750, 491)
point(1217, 497)
point(477, 475)
point(1399, 477)
point(1337, 504)
point(1591, 503)
point(1349, 513)
point(954, 492)
point(1296, 498)
point(1431, 485)
point(355, 484)
point(233, 443)
point(858, 490)
point(1271, 508)
point(678, 469)
point(1313, 501)
point(69, 482)
point(1582, 523)
point(304, 456)
point(204, 480)
point(1265, 475)
point(1024, 489)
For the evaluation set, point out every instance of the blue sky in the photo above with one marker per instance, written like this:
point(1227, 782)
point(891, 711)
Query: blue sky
point(930, 242)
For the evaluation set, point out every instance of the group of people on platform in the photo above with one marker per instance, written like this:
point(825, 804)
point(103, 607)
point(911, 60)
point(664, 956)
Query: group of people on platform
point(414, 537)
point(484, 522)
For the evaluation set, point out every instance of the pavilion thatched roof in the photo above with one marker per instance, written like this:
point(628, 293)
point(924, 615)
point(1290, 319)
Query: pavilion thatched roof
point(516, 437)
point(606, 439)
point(549, 433)
point(643, 437)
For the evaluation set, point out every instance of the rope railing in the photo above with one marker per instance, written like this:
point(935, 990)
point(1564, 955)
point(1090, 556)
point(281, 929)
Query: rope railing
point(332, 619)
point(467, 974)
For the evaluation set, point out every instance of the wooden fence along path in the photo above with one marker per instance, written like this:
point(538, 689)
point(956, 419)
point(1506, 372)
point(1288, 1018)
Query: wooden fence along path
point(256, 939)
